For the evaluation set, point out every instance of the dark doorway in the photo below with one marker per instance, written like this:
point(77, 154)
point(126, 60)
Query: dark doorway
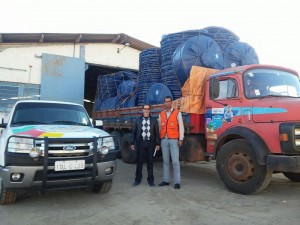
point(90, 83)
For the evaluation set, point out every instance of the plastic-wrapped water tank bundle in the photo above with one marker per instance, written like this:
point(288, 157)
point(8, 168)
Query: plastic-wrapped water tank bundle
point(196, 51)
point(157, 93)
point(221, 35)
point(238, 54)
point(107, 104)
point(126, 87)
point(114, 85)
point(106, 87)
point(169, 44)
point(127, 101)
point(149, 72)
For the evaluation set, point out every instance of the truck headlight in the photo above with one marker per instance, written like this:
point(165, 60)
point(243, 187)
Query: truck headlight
point(105, 145)
point(20, 145)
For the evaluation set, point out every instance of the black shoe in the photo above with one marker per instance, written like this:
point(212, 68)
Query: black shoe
point(136, 184)
point(177, 186)
point(151, 184)
point(164, 183)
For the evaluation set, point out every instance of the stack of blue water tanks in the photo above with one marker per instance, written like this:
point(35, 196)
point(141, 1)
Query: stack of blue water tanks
point(117, 90)
point(149, 72)
point(163, 71)
point(215, 47)
point(169, 44)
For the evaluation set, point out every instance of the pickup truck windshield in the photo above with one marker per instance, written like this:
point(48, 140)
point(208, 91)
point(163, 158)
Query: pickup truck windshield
point(260, 83)
point(43, 113)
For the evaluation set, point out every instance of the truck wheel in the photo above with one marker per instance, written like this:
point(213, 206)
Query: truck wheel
point(7, 197)
point(238, 168)
point(295, 177)
point(102, 187)
point(127, 154)
point(117, 138)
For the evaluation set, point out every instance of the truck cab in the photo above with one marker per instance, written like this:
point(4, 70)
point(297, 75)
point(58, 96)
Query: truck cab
point(252, 125)
point(50, 145)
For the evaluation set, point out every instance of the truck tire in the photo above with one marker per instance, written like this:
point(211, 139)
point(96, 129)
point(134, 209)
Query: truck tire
point(238, 168)
point(128, 156)
point(295, 177)
point(7, 197)
point(117, 138)
point(103, 187)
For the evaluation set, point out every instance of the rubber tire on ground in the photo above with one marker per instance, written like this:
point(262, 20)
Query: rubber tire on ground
point(117, 138)
point(240, 153)
point(103, 187)
point(128, 156)
point(7, 197)
point(295, 177)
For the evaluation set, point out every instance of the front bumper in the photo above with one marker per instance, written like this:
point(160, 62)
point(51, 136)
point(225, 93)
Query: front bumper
point(283, 163)
point(33, 176)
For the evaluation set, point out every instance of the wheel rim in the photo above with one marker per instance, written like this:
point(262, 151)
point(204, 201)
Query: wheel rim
point(240, 167)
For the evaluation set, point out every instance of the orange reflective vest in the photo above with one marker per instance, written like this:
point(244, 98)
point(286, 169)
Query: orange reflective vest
point(169, 125)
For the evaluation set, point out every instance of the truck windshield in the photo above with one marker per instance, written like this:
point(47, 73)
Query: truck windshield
point(44, 113)
point(260, 83)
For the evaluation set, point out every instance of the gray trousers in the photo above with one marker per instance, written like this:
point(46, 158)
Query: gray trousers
point(170, 147)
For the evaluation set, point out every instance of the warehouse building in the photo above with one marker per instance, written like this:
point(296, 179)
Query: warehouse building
point(62, 66)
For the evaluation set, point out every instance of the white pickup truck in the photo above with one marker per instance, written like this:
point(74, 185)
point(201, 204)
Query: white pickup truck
point(50, 145)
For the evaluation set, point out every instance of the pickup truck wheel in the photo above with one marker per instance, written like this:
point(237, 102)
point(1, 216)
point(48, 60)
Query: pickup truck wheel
point(117, 138)
point(295, 177)
point(7, 197)
point(102, 187)
point(238, 168)
point(127, 154)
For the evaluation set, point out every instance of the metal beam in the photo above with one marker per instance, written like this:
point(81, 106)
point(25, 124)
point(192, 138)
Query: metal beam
point(78, 39)
point(116, 38)
point(42, 38)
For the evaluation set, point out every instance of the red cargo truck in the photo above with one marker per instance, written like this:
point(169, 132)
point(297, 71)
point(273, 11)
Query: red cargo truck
point(247, 119)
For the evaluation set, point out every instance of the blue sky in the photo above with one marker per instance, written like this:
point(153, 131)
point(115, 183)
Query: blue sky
point(272, 28)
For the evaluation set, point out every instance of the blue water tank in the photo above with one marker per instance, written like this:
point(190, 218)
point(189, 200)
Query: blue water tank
point(221, 35)
point(196, 51)
point(157, 93)
point(239, 54)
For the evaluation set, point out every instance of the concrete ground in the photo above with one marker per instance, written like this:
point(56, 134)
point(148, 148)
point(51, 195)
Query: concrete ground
point(202, 199)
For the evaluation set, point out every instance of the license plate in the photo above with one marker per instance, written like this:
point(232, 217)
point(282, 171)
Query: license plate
point(69, 165)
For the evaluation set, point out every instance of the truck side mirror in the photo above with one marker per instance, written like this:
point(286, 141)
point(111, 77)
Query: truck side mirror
point(214, 88)
point(2, 124)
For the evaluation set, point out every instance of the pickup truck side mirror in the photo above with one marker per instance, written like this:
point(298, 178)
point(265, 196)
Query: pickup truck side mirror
point(98, 124)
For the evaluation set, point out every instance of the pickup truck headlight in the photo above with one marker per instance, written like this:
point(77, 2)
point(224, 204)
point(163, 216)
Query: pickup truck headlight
point(105, 145)
point(20, 145)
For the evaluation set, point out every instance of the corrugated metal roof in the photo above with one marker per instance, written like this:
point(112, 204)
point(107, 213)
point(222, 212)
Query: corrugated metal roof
point(120, 38)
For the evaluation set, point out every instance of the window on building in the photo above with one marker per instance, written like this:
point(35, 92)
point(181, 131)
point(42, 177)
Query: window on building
point(11, 92)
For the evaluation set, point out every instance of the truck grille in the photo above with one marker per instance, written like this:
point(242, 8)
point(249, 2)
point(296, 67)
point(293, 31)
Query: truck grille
point(66, 149)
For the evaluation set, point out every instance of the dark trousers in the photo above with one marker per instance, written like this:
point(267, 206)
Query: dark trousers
point(144, 148)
